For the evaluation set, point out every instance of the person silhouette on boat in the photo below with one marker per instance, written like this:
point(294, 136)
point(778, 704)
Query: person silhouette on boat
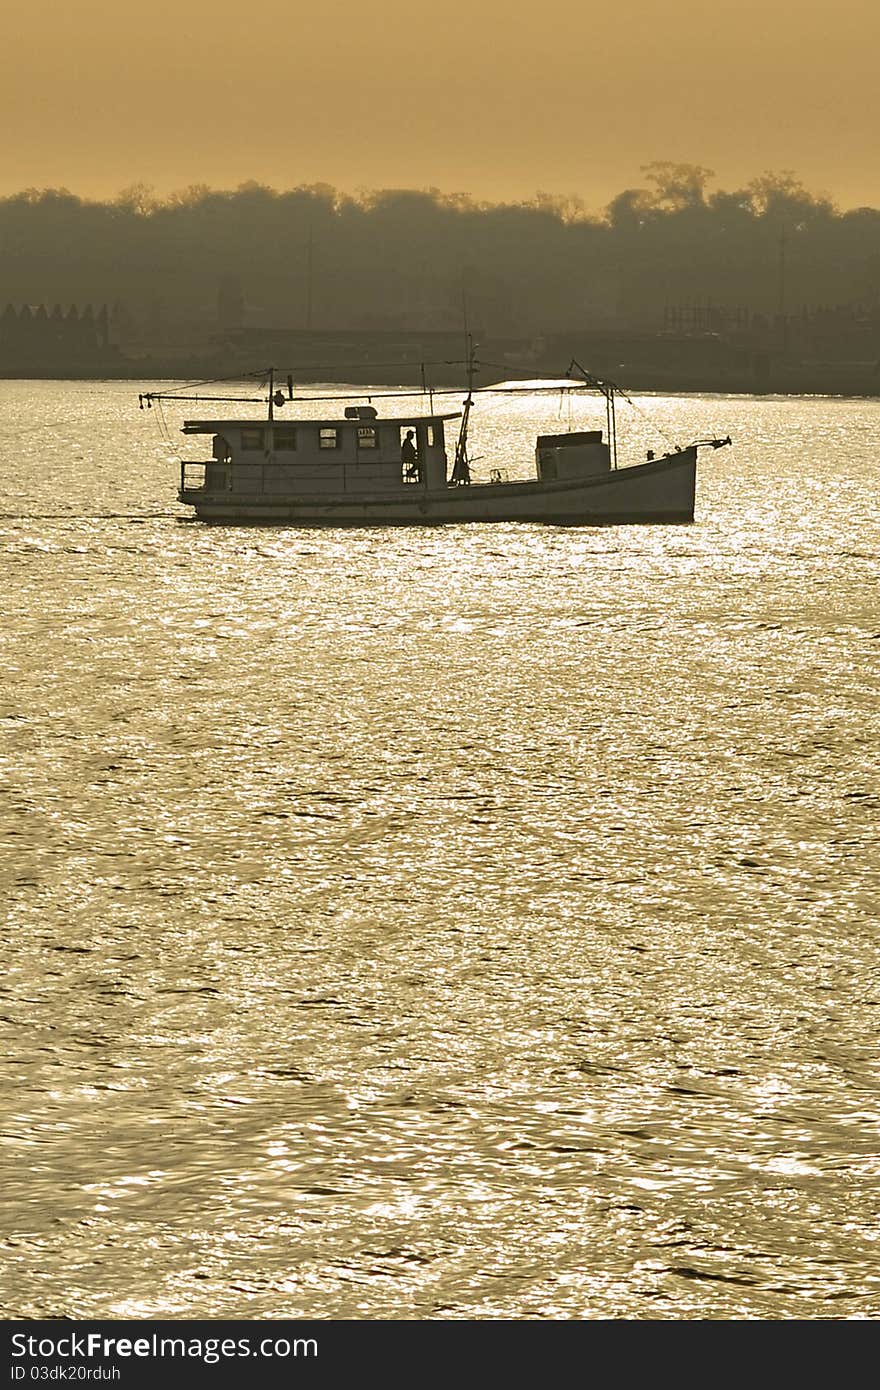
point(409, 457)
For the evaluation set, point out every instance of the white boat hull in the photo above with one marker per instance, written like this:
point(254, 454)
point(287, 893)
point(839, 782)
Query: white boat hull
point(661, 492)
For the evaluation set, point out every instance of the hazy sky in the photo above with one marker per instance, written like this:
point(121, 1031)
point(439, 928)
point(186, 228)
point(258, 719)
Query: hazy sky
point(491, 99)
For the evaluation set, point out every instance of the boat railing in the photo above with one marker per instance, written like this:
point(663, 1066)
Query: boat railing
point(209, 476)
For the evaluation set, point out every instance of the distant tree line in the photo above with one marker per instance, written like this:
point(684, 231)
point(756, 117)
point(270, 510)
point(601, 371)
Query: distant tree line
point(312, 257)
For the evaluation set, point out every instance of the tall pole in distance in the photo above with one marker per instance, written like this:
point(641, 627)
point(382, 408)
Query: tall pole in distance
point(783, 323)
point(309, 266)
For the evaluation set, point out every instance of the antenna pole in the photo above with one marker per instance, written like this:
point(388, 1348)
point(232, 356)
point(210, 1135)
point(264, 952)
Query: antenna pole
point(783, 322)
point(309, 273)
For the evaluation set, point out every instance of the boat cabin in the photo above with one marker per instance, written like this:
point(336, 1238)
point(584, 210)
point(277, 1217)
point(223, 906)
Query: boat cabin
point(577, 454)
point(359, 453)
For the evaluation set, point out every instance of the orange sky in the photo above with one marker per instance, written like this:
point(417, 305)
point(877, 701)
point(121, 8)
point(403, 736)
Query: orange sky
point(494, 100)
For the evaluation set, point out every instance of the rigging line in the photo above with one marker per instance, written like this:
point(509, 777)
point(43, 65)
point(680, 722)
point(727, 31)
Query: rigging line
point(367, 366)
point(560, 376)
point(527, 390)
point(179, 394)
point(647, 418)
point(611, 388)
point(381, 395)
point(229, 400)
point(512, 367)
point(261, 400)
point(164, 429)
point(303, 399)
point(592, 382)
point(263, 375)
point(214, 381)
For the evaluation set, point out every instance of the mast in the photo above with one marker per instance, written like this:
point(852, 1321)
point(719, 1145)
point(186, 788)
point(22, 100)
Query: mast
point(606, 389)
point(276, 398)
point(461, 469)
point(611, 422)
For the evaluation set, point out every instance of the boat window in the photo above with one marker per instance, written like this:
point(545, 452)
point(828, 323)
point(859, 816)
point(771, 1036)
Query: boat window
point(328, 438)
point(368, 437)
point(429, 436)
point(285, 438)
point(252, 438)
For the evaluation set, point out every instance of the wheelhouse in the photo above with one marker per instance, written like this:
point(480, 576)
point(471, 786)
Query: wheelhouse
point(358, 453)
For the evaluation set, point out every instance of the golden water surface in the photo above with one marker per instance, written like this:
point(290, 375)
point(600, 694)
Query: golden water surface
point(470, 922)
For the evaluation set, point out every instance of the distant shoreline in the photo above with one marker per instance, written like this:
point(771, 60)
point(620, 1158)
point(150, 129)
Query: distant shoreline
point(857, 383)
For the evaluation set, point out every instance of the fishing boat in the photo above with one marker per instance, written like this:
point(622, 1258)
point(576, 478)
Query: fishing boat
point(356, 467)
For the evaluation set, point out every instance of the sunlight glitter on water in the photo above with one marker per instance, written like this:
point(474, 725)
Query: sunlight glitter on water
point(471, 923)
